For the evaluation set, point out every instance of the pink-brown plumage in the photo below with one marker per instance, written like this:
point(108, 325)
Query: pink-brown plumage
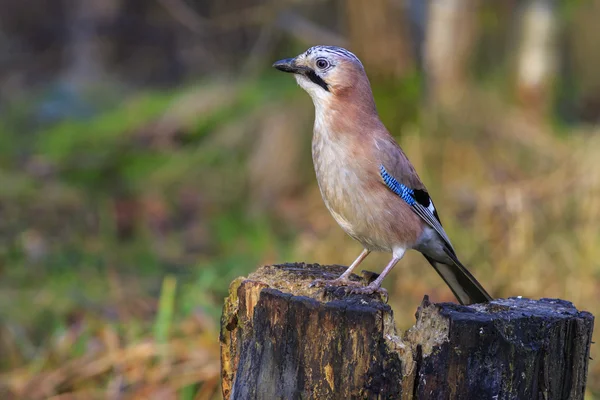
point(347, 155)
point(366, 181)
point(349, 144)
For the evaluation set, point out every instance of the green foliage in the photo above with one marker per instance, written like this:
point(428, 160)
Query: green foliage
point(101, 153)
point(398, 101)
point(96, 161)
point(164, 315)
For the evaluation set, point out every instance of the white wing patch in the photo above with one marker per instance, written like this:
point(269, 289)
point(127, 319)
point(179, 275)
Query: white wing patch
point(430, 207)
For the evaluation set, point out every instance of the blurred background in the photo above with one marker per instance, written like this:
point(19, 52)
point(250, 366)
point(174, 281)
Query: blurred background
point(149, 155)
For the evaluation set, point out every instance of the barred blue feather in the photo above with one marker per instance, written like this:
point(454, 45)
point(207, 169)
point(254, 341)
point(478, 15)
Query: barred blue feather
point(419, 201)
point(401, 190)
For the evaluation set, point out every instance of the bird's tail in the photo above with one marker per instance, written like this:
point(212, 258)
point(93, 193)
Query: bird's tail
point(464, 285)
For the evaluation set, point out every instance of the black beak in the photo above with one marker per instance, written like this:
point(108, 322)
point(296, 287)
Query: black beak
point(288, 65)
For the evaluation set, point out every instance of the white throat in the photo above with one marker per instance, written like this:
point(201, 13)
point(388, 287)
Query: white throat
point(319, 96)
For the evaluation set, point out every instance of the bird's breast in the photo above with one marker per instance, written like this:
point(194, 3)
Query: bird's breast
point(338, 173)
point(352, 191)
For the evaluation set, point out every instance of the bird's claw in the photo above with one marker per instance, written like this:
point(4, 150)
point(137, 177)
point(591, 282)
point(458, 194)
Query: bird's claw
point(370, 289)
point(334, 282)
point(351, 287)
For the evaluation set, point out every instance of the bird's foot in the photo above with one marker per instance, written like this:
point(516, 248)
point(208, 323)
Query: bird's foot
point(335, 282)
point(369, 289)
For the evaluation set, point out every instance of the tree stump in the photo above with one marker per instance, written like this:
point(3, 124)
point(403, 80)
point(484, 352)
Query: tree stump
point(281, 339)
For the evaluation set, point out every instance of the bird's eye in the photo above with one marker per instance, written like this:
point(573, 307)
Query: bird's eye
point(322, 63)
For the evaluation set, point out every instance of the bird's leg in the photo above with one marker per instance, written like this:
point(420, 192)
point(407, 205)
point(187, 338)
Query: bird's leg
point(348, 272)
point(375, 286)
point(343, 280)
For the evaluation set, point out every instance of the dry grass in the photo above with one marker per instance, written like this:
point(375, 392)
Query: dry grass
point(98, 359)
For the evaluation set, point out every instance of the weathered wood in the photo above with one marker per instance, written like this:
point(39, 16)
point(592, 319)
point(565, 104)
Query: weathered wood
point(281, 339)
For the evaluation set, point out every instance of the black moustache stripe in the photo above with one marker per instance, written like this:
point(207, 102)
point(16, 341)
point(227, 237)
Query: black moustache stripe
point(310, 74)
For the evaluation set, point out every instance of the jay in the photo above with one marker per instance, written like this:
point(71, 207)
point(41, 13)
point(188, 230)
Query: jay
point(367, 183)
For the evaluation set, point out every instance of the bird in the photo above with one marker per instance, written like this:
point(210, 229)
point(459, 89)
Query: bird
point(366, 181)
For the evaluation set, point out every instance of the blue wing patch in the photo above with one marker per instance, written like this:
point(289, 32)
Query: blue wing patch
point(405, 193)
point(420, 202)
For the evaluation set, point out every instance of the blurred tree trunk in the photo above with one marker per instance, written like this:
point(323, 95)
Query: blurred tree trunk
point(583, 59)
point(85, 51)
point(277, 156)
point(241, 35)
point(380, 35)
point(450, 38)
point(537, 55)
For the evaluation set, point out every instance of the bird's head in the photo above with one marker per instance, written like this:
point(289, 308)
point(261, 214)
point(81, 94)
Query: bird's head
point(326, 73)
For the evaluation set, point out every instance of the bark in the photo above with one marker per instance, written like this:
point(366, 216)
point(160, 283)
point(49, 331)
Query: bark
point(281, 339)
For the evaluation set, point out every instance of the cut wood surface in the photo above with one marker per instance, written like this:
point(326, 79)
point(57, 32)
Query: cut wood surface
point(281, 339)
